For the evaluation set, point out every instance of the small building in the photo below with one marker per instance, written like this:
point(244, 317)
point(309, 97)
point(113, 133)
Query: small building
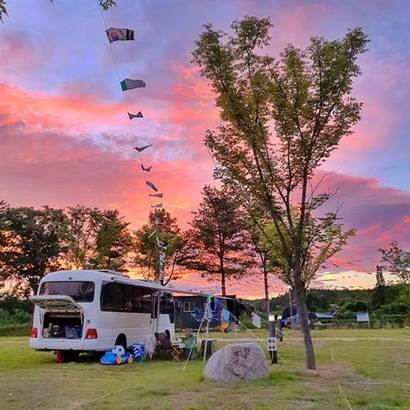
point(363, 319)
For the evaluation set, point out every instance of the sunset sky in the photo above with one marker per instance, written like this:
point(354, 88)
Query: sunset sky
point(65, 137)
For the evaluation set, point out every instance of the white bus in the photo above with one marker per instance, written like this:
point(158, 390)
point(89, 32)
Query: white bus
point(94, 310)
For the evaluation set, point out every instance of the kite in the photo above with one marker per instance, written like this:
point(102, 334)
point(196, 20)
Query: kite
point(115, 34)
point(140, 149)
point(157, 205)
point(162, 246)
point(129, 84)
point(146, 169)
point(152, 186)
point(158, 195)
point(137, 115)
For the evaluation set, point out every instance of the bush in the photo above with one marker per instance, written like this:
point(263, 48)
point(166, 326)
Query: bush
point(18, 317)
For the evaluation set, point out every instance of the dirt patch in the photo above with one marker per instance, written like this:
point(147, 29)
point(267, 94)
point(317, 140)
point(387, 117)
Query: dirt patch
point(336, 371)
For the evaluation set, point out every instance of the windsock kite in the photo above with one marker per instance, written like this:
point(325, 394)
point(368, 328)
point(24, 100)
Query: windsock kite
point(157, 205)
point(137, 115)
point(157, 195)
point(140, 149)
point(119, 34)
point(152, 186)
point(146, 169)
point(129, 84)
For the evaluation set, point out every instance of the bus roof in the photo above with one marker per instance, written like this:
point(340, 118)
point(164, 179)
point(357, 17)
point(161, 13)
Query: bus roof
point(113, 276)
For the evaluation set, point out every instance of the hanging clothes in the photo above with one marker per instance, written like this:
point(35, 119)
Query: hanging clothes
point(256, 320)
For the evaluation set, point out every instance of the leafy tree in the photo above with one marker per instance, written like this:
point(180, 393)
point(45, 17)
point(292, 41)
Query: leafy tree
point(79, 235)
point(113, 242)
point(29, 244)
point(398, 262)
point(322, 238)
point(281, 119)
point(216, 244)
point(264, 260)
point(380, 282)
point(146, 246)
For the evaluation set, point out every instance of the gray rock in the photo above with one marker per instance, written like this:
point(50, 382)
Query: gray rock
point(236, 362)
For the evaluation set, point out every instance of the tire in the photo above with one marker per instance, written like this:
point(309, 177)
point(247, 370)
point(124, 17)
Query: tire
point(64, 356)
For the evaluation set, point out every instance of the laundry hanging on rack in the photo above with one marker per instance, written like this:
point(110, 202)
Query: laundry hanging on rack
point(137, 115)
point(129, 84)
point(119, 34)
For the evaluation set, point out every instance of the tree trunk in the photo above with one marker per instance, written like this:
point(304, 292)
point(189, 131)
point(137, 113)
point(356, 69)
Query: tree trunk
point(304, 321)
point(222, 270)
point(223, 283)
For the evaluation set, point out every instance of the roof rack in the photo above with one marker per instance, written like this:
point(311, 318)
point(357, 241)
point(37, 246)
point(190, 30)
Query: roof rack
point(112, 272)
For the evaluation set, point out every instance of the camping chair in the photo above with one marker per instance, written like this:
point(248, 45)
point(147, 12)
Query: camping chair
point(164, 345)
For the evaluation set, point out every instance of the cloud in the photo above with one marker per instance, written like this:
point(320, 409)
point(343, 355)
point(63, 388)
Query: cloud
point(379, 213)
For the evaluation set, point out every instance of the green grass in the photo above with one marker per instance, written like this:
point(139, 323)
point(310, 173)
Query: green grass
point(369, 369)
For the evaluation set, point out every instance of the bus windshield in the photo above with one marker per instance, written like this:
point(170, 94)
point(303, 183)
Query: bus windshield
point(79, 291)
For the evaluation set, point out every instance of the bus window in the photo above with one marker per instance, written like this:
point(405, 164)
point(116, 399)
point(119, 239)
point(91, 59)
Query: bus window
point(80, 291)
point(119, 297)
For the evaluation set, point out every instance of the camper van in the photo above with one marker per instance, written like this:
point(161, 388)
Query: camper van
point(94, 310)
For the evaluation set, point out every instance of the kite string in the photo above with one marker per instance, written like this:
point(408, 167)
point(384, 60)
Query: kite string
point(124, 99)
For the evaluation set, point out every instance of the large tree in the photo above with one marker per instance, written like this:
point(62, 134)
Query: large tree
point(29, 244)
point(281, 119)
point(112, 243)
point(79, 235)
point(161, 227)
point(216, 245)
point(397, 262)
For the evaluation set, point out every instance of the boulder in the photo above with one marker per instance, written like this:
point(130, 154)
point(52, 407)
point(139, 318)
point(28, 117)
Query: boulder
point(237, 362)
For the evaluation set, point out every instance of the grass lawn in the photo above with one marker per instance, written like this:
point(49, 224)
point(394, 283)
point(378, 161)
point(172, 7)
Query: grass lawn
point(358, 369)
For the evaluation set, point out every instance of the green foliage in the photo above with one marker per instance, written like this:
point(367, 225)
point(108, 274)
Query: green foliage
point(146, 247)
point(216, 244)
point(29, 243)
point(113, 242)
point(36, 241)
point(280, 120)
point(398, 262)
point(14, 311)
point(15, 318)
point(79, 235)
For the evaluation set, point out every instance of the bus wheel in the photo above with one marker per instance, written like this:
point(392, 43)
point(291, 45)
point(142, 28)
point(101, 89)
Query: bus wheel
point(63, 356)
